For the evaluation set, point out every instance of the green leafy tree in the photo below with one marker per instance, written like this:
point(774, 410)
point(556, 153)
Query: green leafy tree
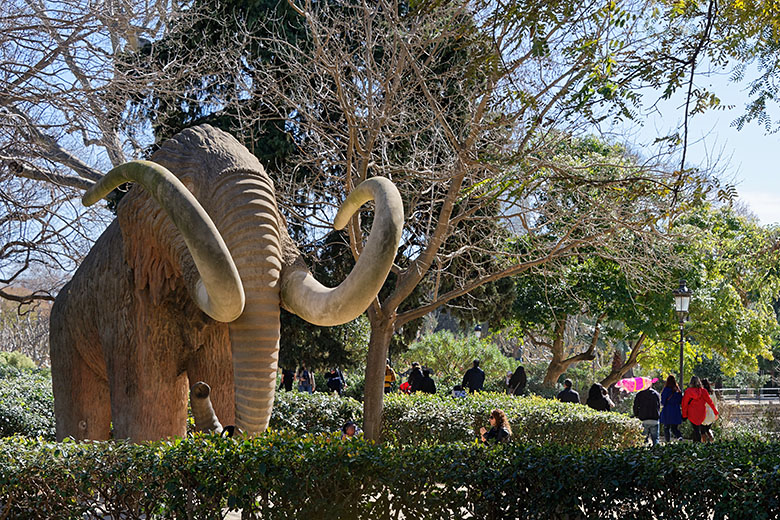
point(733, 272)
point(469, 109)
point(449, 356)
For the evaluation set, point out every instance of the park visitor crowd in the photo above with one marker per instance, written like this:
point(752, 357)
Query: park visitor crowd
point(698, 404)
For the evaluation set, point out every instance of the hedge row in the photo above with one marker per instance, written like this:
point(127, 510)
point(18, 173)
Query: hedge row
point(420, 418)
point(304, 413)
point(437, 419)
point(26, 408)
point(279, 476)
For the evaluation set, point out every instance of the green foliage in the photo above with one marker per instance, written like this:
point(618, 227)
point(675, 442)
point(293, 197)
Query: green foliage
point(710, 367)
point(440, 419)
point(16, 360)
point(449, 356)
point(279, 476)
point(304, 413)
point(26, 403)
point(732, 269)
point(437, 419)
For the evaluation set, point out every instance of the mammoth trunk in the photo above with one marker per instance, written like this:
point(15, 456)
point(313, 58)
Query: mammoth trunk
point(250, 227)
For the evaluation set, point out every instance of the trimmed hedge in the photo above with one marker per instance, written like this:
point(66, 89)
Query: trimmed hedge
point(319, 412)
point(26, 408)
point(279, 476)
point(421, 418)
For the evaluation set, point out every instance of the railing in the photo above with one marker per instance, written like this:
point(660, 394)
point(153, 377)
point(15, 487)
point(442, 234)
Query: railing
point(748, 394)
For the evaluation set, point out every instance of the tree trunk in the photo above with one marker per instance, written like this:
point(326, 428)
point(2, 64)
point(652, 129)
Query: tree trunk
point(632, 361)
point(554, 371)
point(381, 332)
point(558, 365)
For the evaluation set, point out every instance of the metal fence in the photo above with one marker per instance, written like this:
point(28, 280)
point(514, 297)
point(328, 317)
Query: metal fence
point(749, 394)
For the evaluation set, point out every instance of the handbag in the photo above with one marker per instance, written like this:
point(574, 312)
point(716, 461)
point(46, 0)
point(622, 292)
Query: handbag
point(709, 415)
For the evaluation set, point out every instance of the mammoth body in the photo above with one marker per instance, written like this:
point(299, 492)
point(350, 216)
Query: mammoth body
point(186, 285)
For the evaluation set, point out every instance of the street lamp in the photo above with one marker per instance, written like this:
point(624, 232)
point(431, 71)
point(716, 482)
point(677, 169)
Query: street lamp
point(682, 298)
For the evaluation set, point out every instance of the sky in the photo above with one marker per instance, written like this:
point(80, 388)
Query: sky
point(748, 158)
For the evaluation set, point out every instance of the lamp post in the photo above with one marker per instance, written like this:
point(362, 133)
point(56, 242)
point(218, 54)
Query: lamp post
point(682, 298)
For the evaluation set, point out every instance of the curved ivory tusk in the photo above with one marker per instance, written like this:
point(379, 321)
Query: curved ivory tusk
point(317, 304)
point(219, 292)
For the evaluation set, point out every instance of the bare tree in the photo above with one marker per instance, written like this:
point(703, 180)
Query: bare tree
point(472, 114)
point(68, 72)
point(26, 329)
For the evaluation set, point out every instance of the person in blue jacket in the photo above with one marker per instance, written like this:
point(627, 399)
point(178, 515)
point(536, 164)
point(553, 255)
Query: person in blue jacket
point(671, 413)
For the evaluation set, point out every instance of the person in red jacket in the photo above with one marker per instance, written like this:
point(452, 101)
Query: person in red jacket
point(694, 403)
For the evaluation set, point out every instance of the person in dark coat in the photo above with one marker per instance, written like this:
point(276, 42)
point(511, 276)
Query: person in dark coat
point(500, 431)
point(288, 376)
point(428, 385)
point(598, 398)
point(647, 404)
point(415, 378)
point(335, 380)
point(671, 413)
point(517, 381)
point(306, 382)
point(474, 378)
point(567, 395)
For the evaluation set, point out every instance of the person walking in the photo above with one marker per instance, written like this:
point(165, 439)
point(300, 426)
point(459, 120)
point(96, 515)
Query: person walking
point(336, 381)
point(474, 378)
point(709, 417)
point(647, 405)
point(389, 377)
point(500, 430)
point(517, 382)
point(598, 398)
point(694, 403)
point(288, 376)
point(305, 379)
point(427, 385)
point(671, 414)
point(567, 395)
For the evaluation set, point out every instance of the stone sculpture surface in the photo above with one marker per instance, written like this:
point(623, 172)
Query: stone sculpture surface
point(186, 285)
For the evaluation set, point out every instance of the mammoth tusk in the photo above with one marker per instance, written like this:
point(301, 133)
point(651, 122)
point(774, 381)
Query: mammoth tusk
point(320, 305)
point(219, 292)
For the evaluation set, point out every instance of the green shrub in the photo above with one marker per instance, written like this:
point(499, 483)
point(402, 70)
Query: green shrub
point(356, 386)
point(421, 418)
point(16, 360)
point(280, 476)
point(304, 413)
point(26, 403)
point(449, 357)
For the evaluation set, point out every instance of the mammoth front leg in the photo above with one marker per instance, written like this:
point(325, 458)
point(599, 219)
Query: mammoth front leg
point(81, 397)
point(148, 386)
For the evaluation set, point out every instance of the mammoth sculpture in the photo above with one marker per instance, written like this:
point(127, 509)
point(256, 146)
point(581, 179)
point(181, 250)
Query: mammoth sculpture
point(186, 285)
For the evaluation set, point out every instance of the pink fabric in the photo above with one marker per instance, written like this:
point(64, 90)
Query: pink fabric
point(635, 384)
